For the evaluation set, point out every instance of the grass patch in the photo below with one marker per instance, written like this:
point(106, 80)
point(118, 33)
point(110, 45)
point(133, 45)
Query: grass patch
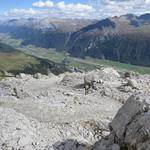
point(15, 61)
point(85, 64)
point(120, 66)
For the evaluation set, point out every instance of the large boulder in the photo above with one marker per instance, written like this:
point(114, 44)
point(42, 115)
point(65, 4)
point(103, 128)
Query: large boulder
point(72, 79)
point(89, 78)
point(132, 83)
point(70, 145)
point(135, 106)
point(37, 76)
point(105, 145)
point(138, 133)
point(130, 129)
point(111, 71)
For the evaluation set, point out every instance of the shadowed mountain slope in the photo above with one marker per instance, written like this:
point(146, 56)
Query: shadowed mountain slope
point(47, 32)
point(125, 39)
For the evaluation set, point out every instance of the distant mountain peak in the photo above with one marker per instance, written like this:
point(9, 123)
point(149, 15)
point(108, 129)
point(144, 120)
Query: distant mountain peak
point(12, 20)
point(130, 16)
point(31, 19)
point(145, 17)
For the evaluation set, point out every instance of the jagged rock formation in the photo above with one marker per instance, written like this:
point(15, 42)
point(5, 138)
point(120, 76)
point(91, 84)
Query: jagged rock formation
point(124, 39)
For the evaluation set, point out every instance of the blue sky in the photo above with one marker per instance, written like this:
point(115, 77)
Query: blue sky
point(10, 4)
point(71, 8)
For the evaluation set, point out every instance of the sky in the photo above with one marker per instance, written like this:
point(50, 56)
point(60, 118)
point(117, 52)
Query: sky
point(91, 9)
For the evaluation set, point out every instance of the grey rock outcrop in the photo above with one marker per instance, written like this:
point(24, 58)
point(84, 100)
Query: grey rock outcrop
point(37, 76)
point(70, 145)
point(135, 106)
point(88, 82)
point(130, 129)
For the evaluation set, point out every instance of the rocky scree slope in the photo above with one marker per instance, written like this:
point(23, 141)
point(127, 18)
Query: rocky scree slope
point(53, 113)
point(124, 39)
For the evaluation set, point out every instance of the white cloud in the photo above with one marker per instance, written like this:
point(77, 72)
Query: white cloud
point(120, 7)
point(21, 12)
point(101, 9)
point(62, 6)
point(61, 9)
point(42, 4)
point(75, 7)
point(147, 1)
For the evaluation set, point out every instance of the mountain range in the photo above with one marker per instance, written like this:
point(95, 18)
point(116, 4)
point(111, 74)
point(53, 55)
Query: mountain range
point(124, 39)
point(46, 32)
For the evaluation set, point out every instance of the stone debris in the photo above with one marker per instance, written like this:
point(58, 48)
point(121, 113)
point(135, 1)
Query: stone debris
point(40, 76)
point(111, 71)
point(41, 112)
point(89, 82)
point(7, 74)
point(16, 131)
point(132, 83)
point(72, 79)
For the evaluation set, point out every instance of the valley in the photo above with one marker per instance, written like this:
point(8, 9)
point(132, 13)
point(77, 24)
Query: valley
point(85, 64)
point(14, 61)
point(123, 39)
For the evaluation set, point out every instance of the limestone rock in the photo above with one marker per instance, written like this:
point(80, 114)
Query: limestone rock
point(37, 76)
point(111, 71)
point(8, 74)
point(70, 145)
point(89, 78)
point(15, 130)
point(138, 133)
point(21, 76)
point(72, 79)
point(135, 105)
point(132, 83)
point(105, 145)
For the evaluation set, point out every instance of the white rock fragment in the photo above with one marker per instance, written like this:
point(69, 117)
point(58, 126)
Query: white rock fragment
point(111, 72)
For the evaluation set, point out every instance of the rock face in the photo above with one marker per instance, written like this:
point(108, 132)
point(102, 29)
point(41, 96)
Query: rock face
point(130, 129)
point(124, 39)
point(135, 105)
